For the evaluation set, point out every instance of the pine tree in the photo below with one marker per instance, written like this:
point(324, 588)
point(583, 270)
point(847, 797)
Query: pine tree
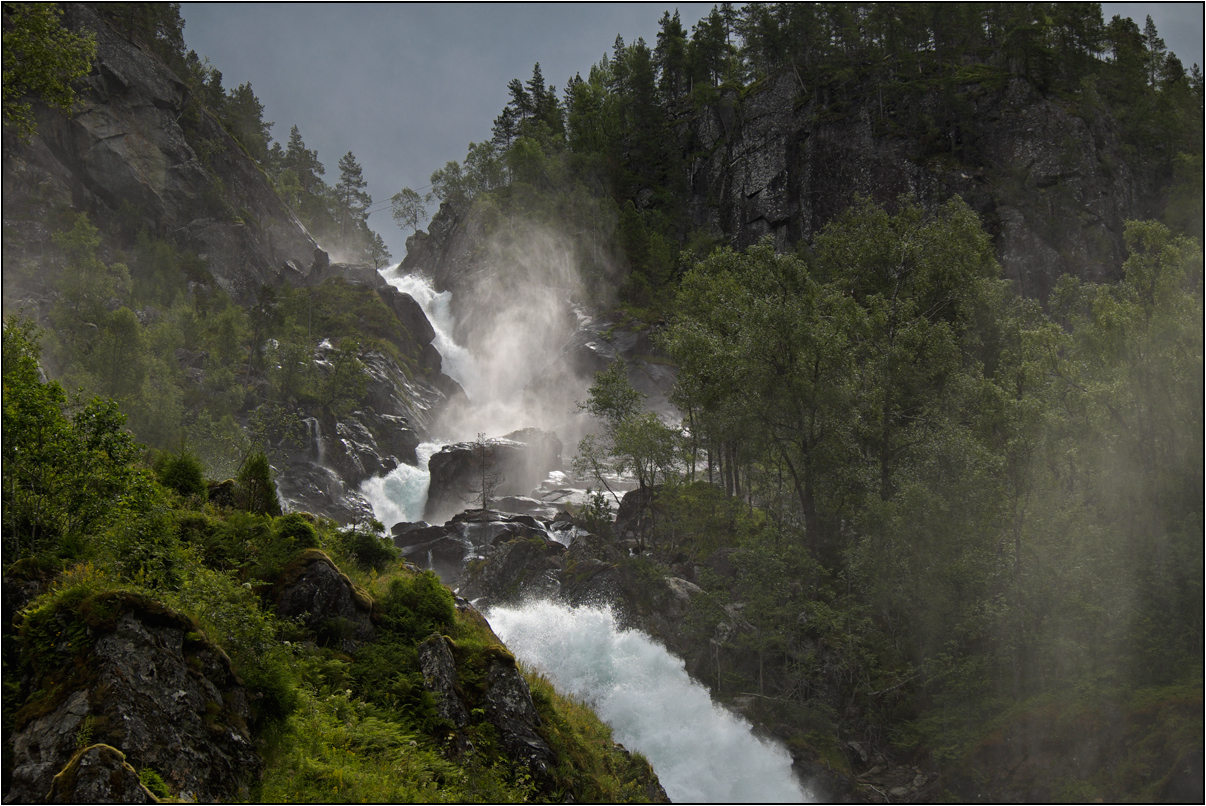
point(303, 162)
point(351, 196)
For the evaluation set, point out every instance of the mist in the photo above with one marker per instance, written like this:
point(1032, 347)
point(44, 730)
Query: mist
point(503, 333)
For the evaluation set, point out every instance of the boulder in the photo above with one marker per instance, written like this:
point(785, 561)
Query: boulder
point(510, 466)
point(99, 774)
point(518, 569)
point(313, 591)
point(505, 700)
point(156, 690)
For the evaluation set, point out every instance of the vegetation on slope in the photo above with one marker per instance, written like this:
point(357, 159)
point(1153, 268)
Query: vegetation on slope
point(94, 527)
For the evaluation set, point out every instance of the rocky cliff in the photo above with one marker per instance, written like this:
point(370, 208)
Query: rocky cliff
point(1048, 176)
point(141, 152)
point(141, 678)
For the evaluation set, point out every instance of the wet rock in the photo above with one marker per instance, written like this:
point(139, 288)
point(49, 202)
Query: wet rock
point(439, 677)
point(313, 591)
point(445, 555)
point(508, 705)
point(518, 569)
point(410, 315)
point(510, 466)
point(307, 487)
point(156, 690)
point(523, 505)
point(410, 534)
point(99, 774)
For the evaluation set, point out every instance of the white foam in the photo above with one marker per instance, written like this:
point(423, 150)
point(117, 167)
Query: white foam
point(401, 495)
point(700, 751)
point(457, 362)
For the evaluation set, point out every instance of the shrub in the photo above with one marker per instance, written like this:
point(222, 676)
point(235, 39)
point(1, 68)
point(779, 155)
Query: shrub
point(369, 550)
point(182, 473)
point(297, 526)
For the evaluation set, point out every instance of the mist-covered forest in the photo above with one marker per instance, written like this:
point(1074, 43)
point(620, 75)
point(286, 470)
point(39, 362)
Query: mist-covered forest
point(939, 486)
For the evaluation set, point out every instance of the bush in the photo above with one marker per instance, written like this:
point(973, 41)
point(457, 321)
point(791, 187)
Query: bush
point(182, 473)
point(369, 550)
point(297, 526)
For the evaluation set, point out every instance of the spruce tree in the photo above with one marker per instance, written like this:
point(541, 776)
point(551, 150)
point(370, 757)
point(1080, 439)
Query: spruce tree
point(352, 198)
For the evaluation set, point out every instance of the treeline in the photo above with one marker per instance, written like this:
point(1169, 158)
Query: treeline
point(335, 215)
point(610, 153)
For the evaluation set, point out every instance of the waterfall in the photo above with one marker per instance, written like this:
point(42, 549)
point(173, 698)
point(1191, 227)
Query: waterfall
point(401, 494)
point(700, 751)
point(457, 362)
point(317, 451)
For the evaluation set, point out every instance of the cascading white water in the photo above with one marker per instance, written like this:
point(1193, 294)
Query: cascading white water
point(457, 362)
point(401, 494)
point(700, 751)
point(317, 448)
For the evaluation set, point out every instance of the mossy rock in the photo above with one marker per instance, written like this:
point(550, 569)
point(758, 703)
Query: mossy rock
point(99, 774)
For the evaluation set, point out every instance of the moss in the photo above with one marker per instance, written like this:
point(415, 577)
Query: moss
point(64, 783)
point(154, 783)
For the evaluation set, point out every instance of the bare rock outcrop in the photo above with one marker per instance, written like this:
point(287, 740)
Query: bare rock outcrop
point(128, 155)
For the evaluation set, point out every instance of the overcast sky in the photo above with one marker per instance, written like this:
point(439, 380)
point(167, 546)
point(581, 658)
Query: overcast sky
point(406, 87)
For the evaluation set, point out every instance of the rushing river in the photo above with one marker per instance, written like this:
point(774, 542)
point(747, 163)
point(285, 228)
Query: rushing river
point(700, 751)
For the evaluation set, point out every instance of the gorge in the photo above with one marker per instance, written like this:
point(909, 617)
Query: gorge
point(807, 406)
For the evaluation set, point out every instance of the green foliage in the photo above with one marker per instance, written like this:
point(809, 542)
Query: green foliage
point(960, 460)
point(41, 61)
point(182, 472)
point(406, 207)
point(633, 441)
point(297, 527)
point(154, 783)
point(63, 476)
point(369, 549)
point(256, 488)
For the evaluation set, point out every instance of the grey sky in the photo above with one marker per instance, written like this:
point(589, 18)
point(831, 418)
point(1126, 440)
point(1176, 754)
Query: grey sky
point(406, 87)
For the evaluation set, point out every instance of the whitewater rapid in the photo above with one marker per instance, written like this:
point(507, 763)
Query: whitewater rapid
point(401, 494)
point(701, 752)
